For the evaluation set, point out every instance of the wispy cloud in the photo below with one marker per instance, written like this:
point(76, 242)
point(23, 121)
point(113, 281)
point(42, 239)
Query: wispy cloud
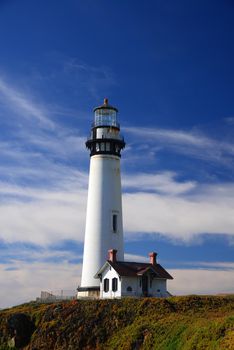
point(36, 150)
point(229, 120)
point(94, 79)
point(20, 167)
point(192, 143)
point(162, 183)
point(42, 193)
point(67, 251)
point(23, 105)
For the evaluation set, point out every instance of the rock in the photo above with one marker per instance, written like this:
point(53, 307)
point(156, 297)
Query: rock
point(20, 328)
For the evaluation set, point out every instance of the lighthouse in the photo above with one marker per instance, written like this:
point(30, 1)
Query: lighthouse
point(104, 223)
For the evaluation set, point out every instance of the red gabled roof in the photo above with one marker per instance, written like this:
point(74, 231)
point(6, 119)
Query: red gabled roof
point(132, 269)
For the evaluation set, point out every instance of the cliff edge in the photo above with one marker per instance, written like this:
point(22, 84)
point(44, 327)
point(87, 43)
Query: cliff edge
point(191, 322)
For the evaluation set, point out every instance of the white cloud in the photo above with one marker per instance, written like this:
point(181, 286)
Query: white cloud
point(205, 281)
point(44, 216)
point(174, 136)
point(48, 218)
point(51, 207)
point(56, 211)
point(162, 182)
point(21, 282)
point(216, 265)
point(207, 211)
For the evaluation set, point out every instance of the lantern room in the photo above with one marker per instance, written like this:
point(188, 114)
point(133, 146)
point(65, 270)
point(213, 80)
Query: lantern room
point(105, 135)
point(105, 115)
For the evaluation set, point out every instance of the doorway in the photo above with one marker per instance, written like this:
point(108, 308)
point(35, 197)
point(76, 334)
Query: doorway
point(145, 285)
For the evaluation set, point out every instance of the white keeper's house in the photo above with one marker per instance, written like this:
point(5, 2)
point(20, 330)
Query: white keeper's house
point(132, 279)
point(110, 276)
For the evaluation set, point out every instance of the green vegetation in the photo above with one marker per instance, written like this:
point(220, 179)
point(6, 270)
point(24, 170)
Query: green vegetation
point(184, 323)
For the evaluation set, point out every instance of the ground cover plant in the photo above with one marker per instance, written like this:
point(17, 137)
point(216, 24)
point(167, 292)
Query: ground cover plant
point(191, 322)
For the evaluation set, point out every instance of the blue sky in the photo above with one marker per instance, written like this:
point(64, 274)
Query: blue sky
point(168, 67)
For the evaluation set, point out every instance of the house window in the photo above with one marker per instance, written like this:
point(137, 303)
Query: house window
point(114, 284)
point(106, 285)
point(129, 289)
point(140, 282)
point(114, 223)
point(158, 290)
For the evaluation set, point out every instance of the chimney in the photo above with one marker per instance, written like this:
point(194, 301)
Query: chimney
point(153, 257)
point(112, 255)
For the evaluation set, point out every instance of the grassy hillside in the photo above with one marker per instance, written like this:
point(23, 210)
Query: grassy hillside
point(191, 322)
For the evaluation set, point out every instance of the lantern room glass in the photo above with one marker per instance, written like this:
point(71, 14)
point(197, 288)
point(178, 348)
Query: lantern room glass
point(105, 117)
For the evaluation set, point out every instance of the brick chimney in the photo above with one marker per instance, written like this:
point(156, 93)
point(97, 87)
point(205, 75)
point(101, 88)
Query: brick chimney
point(112, 255)
point(153, 257)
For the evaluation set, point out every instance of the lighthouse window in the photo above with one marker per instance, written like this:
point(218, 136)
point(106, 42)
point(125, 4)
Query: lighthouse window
point(106, 285)
point(108, 147)
point(97, 147)
point(102, 146)
point(114, 284)
point(114, 223)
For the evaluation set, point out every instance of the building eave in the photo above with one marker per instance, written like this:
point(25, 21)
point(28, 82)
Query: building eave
point(100, 271)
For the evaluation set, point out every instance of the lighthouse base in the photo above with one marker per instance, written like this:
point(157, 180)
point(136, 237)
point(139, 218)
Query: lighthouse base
point(88, 292)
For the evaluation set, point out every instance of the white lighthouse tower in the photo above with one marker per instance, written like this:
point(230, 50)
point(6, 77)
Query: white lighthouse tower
point(104, 224)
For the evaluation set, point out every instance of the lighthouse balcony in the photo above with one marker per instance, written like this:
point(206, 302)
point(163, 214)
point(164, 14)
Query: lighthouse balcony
point(105, 146)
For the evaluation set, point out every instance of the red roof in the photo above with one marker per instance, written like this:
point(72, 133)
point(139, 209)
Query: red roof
point(133, 269)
